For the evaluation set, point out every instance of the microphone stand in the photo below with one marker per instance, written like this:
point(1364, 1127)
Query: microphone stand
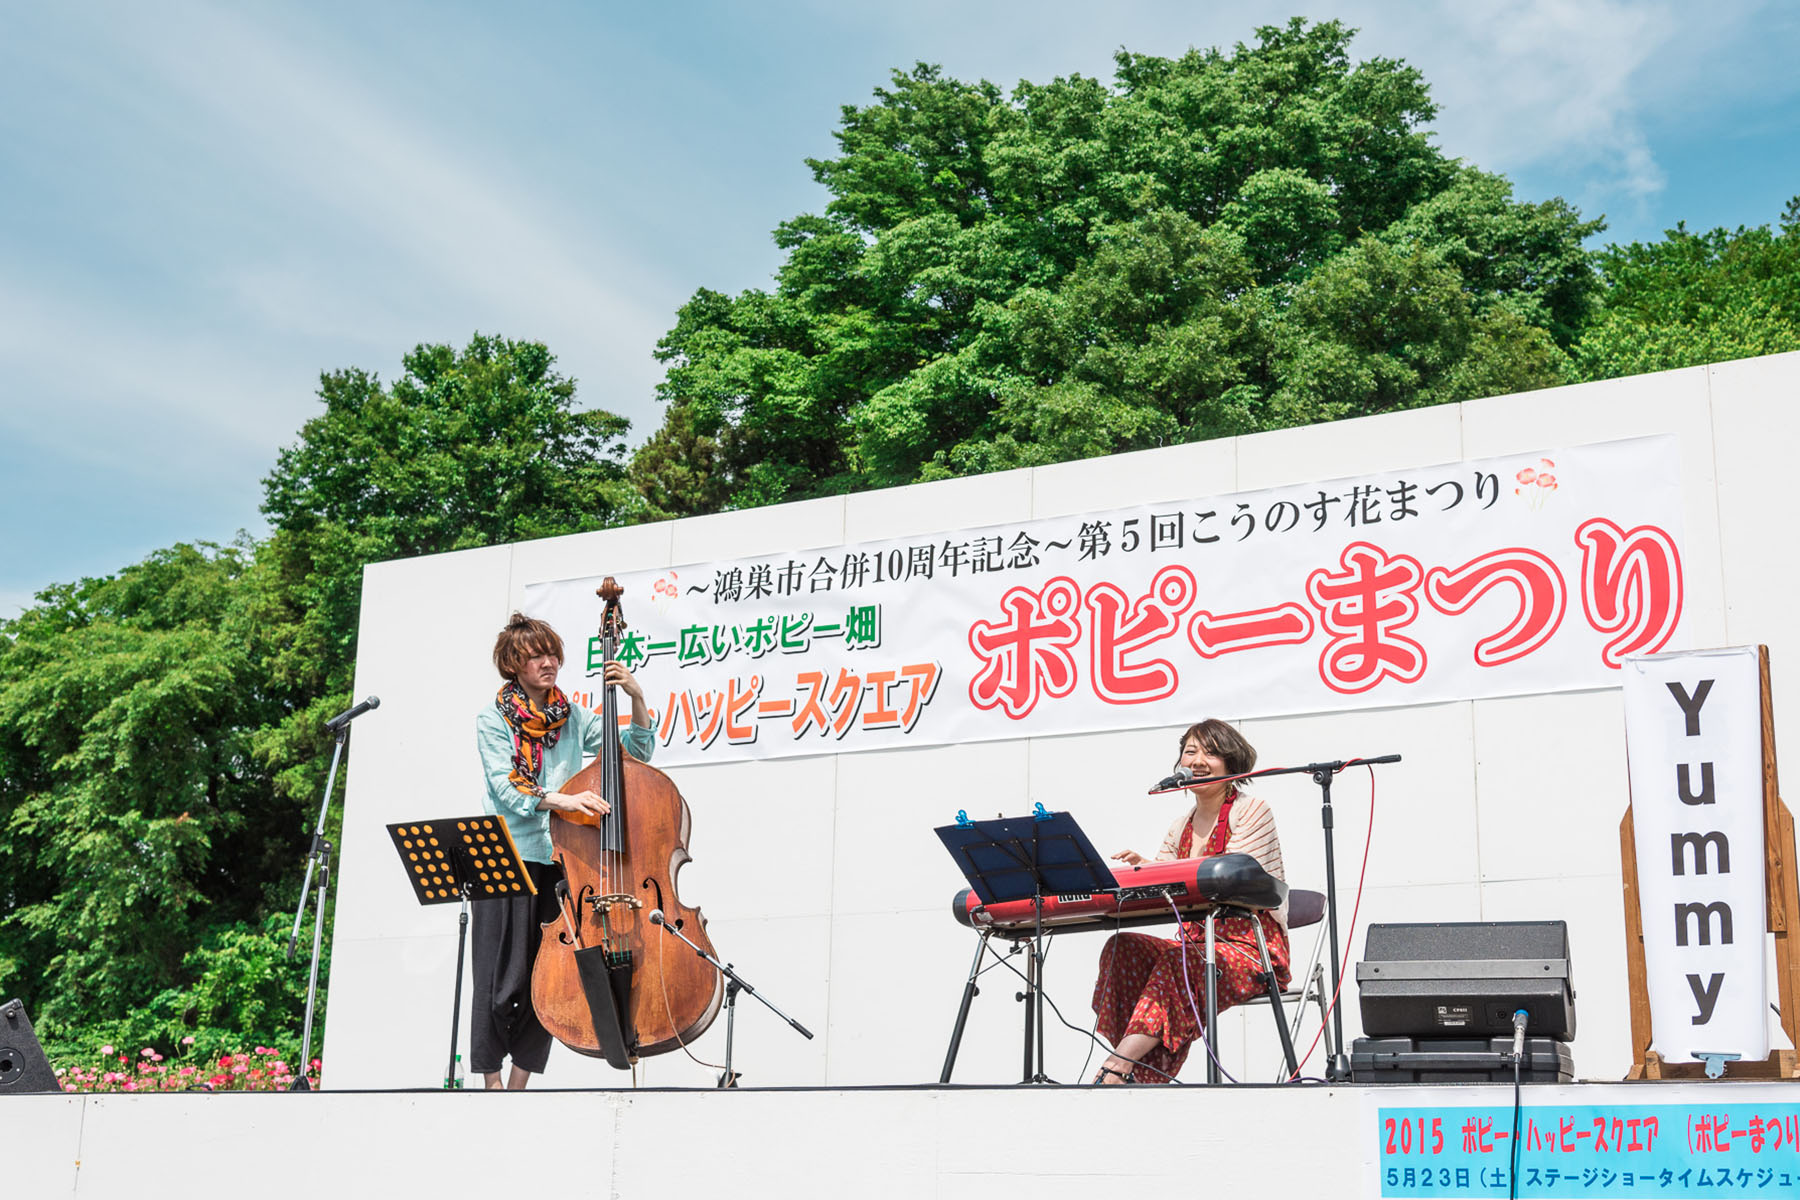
point(729, 1078)
point(318, 862)
point(1337, 1069)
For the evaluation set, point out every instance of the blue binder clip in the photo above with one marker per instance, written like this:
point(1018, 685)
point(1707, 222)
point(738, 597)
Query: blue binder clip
point(1038, 813)
point(962, 819)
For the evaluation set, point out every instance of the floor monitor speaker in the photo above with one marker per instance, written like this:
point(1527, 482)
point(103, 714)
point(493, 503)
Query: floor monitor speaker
point(1466, 979)
point(23, 1067)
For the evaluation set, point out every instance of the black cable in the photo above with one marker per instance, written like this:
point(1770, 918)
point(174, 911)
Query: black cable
point(1512, 1190)
point(1084, 1033)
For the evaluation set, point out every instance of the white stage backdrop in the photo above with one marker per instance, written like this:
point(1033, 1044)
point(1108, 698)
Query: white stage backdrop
point(1525, 574)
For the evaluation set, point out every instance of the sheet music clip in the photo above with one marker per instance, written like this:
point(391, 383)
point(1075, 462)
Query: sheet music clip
point(1038, 813)
point(962, 819)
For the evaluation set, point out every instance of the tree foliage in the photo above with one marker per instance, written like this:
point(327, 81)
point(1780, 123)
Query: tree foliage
point(1696, 298)
point(136, 815)
point(471, 448)
point(1217, 243)
point(162, 756)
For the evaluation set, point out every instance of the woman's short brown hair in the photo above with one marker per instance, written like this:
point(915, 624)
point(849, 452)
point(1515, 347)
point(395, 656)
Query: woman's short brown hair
point(1220, 738)
point(523, 639)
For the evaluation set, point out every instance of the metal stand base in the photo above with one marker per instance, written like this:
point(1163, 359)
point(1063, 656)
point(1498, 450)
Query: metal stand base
point(1032, 997)
point(729, 1079)
point(462, 942)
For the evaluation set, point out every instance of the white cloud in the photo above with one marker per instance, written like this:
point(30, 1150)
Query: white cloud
point(113, 391)
point(1525, 82)
point(400, 232)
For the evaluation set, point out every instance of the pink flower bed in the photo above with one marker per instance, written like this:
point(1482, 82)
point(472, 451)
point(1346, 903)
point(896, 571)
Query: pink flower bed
point(262, 1070)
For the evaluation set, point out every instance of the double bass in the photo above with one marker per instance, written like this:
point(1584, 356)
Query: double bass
point(607, 982)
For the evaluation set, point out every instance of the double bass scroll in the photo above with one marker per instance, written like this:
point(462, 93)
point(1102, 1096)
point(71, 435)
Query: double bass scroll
point(603, 984)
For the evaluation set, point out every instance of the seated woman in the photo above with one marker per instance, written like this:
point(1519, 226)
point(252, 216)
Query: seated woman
point(1148, 1005)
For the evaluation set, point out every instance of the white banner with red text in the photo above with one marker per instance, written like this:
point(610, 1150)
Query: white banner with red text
point(1524, 574)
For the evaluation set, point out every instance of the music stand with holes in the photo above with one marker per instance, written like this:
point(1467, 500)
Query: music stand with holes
point(460, 859)
point(1022, 858)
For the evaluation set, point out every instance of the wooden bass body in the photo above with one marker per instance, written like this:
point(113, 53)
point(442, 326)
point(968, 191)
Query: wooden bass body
point(673, 993)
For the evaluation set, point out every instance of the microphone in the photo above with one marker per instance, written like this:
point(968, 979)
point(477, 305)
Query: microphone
point(1181, 777)
point(1520, 1017)
point(349, 715)
point(656, 917)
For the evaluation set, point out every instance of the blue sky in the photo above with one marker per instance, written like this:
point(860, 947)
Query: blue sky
point(207, 205)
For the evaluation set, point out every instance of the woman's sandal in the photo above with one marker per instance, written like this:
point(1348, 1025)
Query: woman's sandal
point(1126, 1076)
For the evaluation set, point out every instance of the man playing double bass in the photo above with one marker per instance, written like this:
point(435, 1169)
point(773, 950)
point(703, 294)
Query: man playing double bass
point(532, 740)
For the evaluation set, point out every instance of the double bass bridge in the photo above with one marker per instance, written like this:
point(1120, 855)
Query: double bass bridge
point(601, 904)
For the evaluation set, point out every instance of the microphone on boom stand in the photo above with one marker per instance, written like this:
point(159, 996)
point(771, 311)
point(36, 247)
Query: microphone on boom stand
point(1182, 777)
point(736, 984)
point(350, 714)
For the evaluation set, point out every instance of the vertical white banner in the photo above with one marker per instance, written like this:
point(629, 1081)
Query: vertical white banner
point(1693, 726)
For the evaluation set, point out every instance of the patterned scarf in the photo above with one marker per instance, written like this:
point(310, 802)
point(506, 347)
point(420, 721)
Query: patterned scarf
point(1215, 842)
point(534, 730)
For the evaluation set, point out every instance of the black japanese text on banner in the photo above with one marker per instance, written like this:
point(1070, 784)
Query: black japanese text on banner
point(1530, 573)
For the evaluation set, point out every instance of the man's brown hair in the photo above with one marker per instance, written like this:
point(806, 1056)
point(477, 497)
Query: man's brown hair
point(523, 639)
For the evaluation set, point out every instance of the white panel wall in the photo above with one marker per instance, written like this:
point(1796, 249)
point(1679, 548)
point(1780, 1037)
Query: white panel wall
point(823, 882)
point(1045, 1143)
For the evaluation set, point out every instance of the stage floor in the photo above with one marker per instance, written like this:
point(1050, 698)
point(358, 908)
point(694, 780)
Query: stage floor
point(1577, 1140)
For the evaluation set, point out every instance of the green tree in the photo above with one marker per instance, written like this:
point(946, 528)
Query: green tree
point(1696, 298)
point(467, 448)
point(161, 745)
point(1379, 329)
point(135, 815)
point(1076, 268)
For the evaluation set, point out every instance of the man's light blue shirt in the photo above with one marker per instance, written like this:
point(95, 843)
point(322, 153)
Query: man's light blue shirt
point(581, 739)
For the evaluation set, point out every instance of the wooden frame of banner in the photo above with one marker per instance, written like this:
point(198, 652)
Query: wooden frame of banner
point(1783, 889)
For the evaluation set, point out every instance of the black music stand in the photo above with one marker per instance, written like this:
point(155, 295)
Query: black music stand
point(1022, 858)
point(460, 858)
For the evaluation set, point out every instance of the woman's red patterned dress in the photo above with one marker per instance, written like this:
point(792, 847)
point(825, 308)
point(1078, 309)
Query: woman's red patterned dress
point(1144, 988)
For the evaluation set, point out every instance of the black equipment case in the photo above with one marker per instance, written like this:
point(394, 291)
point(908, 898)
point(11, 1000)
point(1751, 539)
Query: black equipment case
point(1457, 1060)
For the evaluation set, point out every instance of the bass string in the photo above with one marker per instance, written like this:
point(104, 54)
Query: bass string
point(612, 779)
point(610, 841)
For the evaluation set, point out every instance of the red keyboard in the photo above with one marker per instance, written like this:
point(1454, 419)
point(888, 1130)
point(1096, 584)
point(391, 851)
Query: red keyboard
point(1143, 895)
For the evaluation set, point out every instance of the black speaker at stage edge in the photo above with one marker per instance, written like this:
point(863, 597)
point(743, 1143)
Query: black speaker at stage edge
point(23, 1067)
point(1466, 979)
